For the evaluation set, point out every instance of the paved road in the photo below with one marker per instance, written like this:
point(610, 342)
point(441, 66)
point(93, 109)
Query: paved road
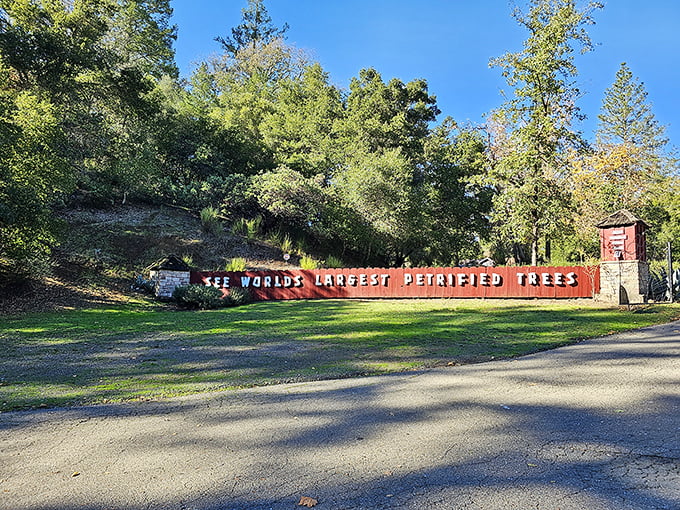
point(590, 426)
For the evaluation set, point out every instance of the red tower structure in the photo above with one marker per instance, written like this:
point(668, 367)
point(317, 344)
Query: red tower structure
point(624, 272)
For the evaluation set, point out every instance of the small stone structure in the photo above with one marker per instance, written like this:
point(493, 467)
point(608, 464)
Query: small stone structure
point(624, 271)
point(169, 273)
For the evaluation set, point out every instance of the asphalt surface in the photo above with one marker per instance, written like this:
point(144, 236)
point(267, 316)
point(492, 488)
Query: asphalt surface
point(590, 426)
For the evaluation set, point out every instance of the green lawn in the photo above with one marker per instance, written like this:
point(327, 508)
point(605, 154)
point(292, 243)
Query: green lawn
point(135, 352)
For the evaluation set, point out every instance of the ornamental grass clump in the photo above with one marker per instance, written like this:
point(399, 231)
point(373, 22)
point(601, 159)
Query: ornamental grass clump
point(236, 264)
point(210, 221)
point(307, 262)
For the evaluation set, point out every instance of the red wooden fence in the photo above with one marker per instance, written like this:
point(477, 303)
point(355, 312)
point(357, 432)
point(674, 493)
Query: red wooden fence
point(460, 282)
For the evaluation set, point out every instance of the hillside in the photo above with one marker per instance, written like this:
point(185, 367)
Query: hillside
point(102, 251)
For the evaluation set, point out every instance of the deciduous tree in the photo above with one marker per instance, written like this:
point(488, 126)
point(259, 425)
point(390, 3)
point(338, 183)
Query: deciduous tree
point(532, 203)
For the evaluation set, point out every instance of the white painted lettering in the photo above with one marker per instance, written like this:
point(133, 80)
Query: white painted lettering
point(245, 281)
point(462, 279)
point(420, 279)
point(328, 281)
point(473, 279)
point(408, 278)
point(441, 280)
point(277, 281)
point(484, 279)
point(496, 279)
point(559, 279)
point(374, 280)
point(287, 281)
point(571, 279)
point(257, 281)
point(352, 280)
point(520, 278)
point(363, 280)
point(298, 281)
point(267, 281)
point(385, 278)
point(533, 278)
point(547, 279)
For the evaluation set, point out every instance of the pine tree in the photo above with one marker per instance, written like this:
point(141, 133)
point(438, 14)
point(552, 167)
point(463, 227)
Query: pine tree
point(626, 116)
point(256, 29)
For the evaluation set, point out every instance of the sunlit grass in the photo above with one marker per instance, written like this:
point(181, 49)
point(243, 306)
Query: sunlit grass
point(133, 352)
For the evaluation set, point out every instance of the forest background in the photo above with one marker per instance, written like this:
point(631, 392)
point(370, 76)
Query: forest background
point(93, 113)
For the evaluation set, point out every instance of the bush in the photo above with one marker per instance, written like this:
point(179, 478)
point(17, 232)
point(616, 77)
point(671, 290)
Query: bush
point(202, 297)
point(141, 284)
point(239, 296)
point(228, 193)
point(334, 262)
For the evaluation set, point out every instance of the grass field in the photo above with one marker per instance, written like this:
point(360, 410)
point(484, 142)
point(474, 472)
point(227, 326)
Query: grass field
point(137, 351)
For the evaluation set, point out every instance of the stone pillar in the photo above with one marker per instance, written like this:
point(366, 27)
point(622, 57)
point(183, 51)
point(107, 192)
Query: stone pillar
point(624, 281)
point(168, 274)
point(167, 280)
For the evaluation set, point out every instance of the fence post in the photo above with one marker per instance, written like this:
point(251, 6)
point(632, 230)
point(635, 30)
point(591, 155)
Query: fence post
point(669, 258)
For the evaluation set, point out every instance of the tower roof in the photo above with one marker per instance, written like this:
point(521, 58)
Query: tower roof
point(621, 218)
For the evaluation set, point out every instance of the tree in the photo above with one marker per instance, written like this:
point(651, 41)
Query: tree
point(531, 203)
point(256, 29)
point(32, 176)
point(456, 206)
point(141, 37)
point(626, 116)
point(299, 130)
point(380, 159)
point(628, 168)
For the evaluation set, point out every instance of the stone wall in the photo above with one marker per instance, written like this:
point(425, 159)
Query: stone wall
point(167, 280)
point(624, 281)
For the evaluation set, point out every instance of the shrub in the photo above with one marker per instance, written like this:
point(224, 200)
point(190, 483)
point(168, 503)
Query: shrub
point(229, 193)
point(239, 296)
point(141, 284)
point(210, 220)
point(236, 264)
point(334, 262)
point(307, 262)
point(203, 297)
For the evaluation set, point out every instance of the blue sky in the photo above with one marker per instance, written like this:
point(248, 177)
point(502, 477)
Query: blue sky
point(450, 42)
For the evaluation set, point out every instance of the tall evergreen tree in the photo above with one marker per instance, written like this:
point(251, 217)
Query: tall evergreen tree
point(256, 29)
point(626, 116)
point(628, 168)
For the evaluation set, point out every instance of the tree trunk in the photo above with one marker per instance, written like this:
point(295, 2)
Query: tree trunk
point(534, 246)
